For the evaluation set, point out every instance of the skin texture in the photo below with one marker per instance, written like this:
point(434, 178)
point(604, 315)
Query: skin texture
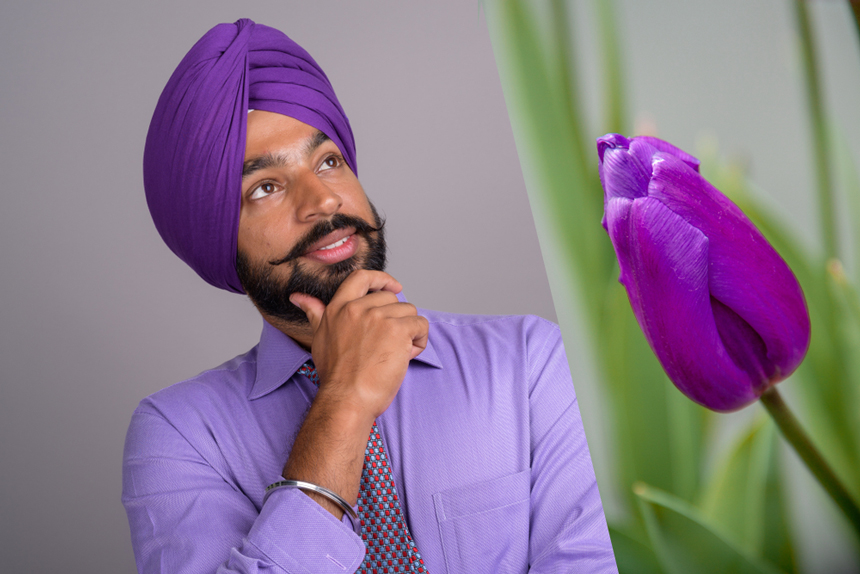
point(363, 340)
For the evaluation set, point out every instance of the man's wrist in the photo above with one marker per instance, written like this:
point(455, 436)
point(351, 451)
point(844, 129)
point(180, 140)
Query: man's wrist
point(329, 451)
point(322, 495)
point(348, 414)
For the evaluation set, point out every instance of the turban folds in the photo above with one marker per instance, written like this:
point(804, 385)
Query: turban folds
point(195, 147)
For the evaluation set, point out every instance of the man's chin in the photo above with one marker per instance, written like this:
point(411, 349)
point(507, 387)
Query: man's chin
point(321, 284)
point(338, 271)
point(271, 293)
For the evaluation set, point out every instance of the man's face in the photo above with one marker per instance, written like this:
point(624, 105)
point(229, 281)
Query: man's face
point(305, 222)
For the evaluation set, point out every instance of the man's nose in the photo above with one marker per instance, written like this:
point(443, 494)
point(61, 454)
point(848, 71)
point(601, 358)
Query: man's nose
point(316, 199)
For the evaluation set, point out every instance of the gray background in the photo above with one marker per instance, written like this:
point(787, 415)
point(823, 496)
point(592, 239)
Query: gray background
point(96, 311)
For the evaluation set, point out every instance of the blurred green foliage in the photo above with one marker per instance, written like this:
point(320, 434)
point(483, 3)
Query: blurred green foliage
point(680, 513)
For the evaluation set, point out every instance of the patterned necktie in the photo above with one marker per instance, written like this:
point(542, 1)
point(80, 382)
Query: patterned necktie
point(390, 548)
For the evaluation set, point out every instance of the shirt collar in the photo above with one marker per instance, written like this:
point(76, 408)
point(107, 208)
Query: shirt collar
point(279, 357)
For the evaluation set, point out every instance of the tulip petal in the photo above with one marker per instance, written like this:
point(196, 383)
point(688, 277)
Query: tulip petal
point(745, 274)
point(611, 141)
point(743, 345)
point(645, 147)
point(664, 266)
point(622, 173)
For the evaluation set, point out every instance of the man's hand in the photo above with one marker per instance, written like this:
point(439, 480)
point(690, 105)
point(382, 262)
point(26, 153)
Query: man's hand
point(362, 344)
point(363, 341)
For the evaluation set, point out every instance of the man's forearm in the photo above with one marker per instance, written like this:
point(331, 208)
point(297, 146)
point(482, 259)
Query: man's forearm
point(329, 451)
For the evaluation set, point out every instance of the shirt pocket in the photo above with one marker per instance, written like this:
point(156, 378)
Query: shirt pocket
point(485, 526)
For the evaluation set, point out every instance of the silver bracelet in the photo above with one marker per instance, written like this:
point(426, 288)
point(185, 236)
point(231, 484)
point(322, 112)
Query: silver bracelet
point(332, 496)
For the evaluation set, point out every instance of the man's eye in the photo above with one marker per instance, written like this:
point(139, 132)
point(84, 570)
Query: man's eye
point(330, 162)
point(263, 190)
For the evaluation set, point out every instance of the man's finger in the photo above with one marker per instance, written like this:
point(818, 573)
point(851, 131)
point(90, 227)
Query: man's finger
point(361, 282)
point(419, 338)
point(313, 308)
point(374, 299)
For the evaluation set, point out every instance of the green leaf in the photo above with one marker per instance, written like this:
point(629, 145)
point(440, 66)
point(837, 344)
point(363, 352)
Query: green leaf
point(849, 181)
point(613, 75)
point(820, 148)
point(659, 432)
point(632, 555)
point(842, 398)
point(560, 175)
point(777, 546)
point(685, 542)
point(744, 496)
point(734, 498)
point(563, 63)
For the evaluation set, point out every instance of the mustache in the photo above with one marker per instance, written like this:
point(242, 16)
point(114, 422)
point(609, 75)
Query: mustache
point(323, 228)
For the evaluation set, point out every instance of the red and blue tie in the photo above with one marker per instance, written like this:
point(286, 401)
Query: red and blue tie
point(390, 548)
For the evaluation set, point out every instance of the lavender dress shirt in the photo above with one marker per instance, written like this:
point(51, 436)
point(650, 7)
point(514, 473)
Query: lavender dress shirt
point(484, 439)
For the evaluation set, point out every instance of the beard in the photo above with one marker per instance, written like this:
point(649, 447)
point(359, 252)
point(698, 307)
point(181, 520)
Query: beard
point(271, 295)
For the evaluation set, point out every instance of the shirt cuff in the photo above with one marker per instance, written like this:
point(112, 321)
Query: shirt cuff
point(299, 535)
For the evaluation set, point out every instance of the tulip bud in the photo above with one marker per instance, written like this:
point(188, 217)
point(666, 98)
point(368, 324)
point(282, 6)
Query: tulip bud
point(720, 308)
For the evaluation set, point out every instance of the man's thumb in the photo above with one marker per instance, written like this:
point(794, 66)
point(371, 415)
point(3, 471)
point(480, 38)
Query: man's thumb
point(313, 307)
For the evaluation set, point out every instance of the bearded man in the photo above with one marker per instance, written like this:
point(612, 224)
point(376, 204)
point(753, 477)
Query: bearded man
point(361, 434)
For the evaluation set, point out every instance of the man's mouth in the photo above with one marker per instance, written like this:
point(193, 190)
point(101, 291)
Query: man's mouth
point(332, 241)
point(334, 247)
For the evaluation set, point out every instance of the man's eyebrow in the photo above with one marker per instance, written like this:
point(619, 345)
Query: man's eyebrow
point(316, 141)
point(269, 160)
point(263, 162)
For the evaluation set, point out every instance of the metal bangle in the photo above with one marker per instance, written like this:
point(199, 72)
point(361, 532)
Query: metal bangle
point(322, 491)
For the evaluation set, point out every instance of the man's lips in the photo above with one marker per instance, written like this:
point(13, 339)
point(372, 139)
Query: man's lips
point(334, 247)
point(326, 234)
point(329, 240)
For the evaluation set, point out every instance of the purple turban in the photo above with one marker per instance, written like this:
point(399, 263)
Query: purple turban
point(195, 148)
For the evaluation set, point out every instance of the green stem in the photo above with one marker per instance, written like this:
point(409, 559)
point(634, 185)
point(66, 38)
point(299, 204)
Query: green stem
point(855, 8)
point(798, 439)
point(613, 89)
point(819, 131)
point(565, 70)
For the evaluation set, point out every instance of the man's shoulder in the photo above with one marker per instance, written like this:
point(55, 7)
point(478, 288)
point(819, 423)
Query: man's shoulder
point(514, 351)
point(515, 334)
point(231, 379)
point(527, 325)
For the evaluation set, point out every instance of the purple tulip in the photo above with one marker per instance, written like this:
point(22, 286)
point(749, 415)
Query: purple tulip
point(720, 308)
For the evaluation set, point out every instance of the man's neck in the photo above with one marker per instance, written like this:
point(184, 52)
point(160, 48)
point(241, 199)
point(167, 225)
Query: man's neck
point(301, 334)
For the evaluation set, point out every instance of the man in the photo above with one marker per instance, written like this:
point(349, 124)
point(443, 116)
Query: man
point(390, 439)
